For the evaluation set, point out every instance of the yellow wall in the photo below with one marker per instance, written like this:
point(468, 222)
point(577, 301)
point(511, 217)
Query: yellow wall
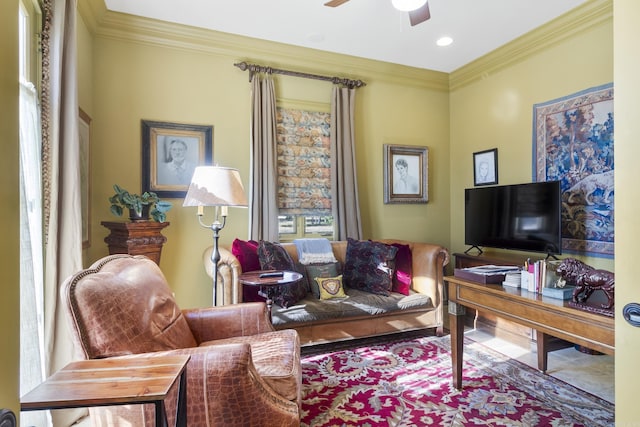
point(9, 208)
point(627, 87)
point(495, 111)
point(195, 82)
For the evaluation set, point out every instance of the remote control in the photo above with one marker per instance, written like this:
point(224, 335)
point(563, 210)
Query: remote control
point(273, 274)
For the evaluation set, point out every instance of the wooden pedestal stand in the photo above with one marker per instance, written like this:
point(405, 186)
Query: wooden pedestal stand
point(136, 238)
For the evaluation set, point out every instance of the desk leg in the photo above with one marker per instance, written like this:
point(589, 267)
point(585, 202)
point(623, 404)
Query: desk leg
point(161, 414)
point(542, 344)
point(456, 325)
point(181, 407)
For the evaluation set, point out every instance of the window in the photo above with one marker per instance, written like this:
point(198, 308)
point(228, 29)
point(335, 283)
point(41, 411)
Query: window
point(293, 227)
point(304, 174)
point(31, 239)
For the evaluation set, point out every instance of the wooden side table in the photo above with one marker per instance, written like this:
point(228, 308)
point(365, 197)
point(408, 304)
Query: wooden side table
point(136, 238)
point(114, 381)
point(268, 281)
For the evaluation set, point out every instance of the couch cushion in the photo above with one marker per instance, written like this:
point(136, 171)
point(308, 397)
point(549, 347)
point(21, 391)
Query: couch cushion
point(274, 257)
point(359, 303)
point(403, 273)
point(276, 357)
point(332, 269)
point(330, 287)
point(369, 266)
point(246, 251)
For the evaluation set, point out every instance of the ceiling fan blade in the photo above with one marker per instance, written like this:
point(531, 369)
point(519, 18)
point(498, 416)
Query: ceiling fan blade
point(419, 15)
point(335, 3)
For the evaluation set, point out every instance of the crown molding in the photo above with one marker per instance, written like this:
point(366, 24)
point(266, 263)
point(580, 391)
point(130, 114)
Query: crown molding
point(107, 24)
point(580, 19)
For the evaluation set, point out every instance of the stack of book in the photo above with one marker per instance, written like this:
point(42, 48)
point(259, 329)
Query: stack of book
point(485, 273)
point(540, 277)
point(512, 279)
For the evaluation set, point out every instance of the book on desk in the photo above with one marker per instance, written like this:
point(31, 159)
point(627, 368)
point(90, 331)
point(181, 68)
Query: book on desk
point(485, 274)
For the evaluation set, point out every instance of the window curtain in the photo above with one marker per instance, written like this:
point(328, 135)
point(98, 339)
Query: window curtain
point(61, 181)
point(344, 185)
point(31, 244)
point(263, 221)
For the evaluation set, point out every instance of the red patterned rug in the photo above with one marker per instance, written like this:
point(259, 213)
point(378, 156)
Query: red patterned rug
point(408, 383)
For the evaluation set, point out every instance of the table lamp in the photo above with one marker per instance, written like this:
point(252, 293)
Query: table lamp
point(220, 187)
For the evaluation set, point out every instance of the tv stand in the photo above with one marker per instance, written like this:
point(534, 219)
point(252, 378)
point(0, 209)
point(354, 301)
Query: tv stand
point(474, 246)
point(488, 322)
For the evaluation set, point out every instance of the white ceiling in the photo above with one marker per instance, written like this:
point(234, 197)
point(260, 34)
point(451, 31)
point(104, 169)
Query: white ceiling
point(365, 28)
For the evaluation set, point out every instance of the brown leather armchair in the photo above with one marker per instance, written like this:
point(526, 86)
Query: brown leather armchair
point(242, 372)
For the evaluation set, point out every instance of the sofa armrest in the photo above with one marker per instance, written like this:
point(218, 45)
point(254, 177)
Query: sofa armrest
point(224, 389)
point(227, 321)
point(229, 270)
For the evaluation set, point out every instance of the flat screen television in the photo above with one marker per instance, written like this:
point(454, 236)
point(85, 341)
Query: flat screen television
point(523, 217)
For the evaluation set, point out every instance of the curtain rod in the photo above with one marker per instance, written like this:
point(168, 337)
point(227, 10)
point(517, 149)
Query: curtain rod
point(254, 68)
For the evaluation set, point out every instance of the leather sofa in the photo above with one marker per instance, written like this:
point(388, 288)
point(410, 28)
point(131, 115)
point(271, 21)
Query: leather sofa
point(318, 322)
point(241, 371)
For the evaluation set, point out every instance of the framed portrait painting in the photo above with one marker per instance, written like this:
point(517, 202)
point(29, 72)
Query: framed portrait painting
point(170, 153)
point(485, 167)
point(405, 174)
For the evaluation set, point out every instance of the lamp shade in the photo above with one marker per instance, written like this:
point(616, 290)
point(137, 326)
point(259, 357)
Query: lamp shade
point(408, 5)
point(215, 186)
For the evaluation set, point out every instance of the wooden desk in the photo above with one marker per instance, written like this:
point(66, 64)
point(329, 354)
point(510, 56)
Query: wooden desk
point(114, 381)
point(548, 316)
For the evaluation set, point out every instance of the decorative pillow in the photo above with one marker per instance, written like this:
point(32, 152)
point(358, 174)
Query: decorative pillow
point(274, 257)
point(312, 271)
point(330, 287)
point(404, 270)
point(247, 254)
point(369, 266)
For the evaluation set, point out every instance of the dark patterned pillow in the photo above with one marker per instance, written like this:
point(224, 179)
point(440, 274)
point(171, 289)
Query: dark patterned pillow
point(274, 257)
point(369, 266)
point(313, 271)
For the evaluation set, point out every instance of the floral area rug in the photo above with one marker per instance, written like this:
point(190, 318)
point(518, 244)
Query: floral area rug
point(409, 383)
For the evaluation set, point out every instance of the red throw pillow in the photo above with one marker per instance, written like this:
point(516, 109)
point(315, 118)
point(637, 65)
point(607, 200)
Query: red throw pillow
point(404, 269)
point(247, 254)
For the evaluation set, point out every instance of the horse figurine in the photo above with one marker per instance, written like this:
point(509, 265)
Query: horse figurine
point(587, 280)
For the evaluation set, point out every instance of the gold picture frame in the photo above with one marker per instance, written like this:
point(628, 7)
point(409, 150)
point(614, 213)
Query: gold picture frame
point(163, 144)
point(406, 170)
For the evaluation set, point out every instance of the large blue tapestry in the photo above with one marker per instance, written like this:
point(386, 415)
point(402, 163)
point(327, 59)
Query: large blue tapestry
point(573, 143)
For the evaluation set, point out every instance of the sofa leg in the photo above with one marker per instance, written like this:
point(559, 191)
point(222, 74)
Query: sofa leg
point(440, 331)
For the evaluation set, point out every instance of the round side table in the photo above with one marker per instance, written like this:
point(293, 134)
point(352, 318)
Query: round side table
point(268, 281)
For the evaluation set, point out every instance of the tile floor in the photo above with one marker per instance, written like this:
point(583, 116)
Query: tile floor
point(591, 373)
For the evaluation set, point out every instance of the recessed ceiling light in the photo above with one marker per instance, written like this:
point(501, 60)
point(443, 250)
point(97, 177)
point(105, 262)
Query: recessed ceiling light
point(408, 5)
point(444, 41)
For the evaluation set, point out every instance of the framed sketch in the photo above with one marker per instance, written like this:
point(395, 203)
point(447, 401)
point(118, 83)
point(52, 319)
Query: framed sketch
point(170, 153)
point(485, 167)
point(84, 130)
point(405, 174)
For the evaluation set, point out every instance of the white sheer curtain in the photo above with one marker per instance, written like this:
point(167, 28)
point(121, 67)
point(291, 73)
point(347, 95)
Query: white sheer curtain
point(61, 181)
point(31, 249)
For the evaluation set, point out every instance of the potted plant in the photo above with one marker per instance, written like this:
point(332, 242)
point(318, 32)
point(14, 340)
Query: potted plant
point(140, 206)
